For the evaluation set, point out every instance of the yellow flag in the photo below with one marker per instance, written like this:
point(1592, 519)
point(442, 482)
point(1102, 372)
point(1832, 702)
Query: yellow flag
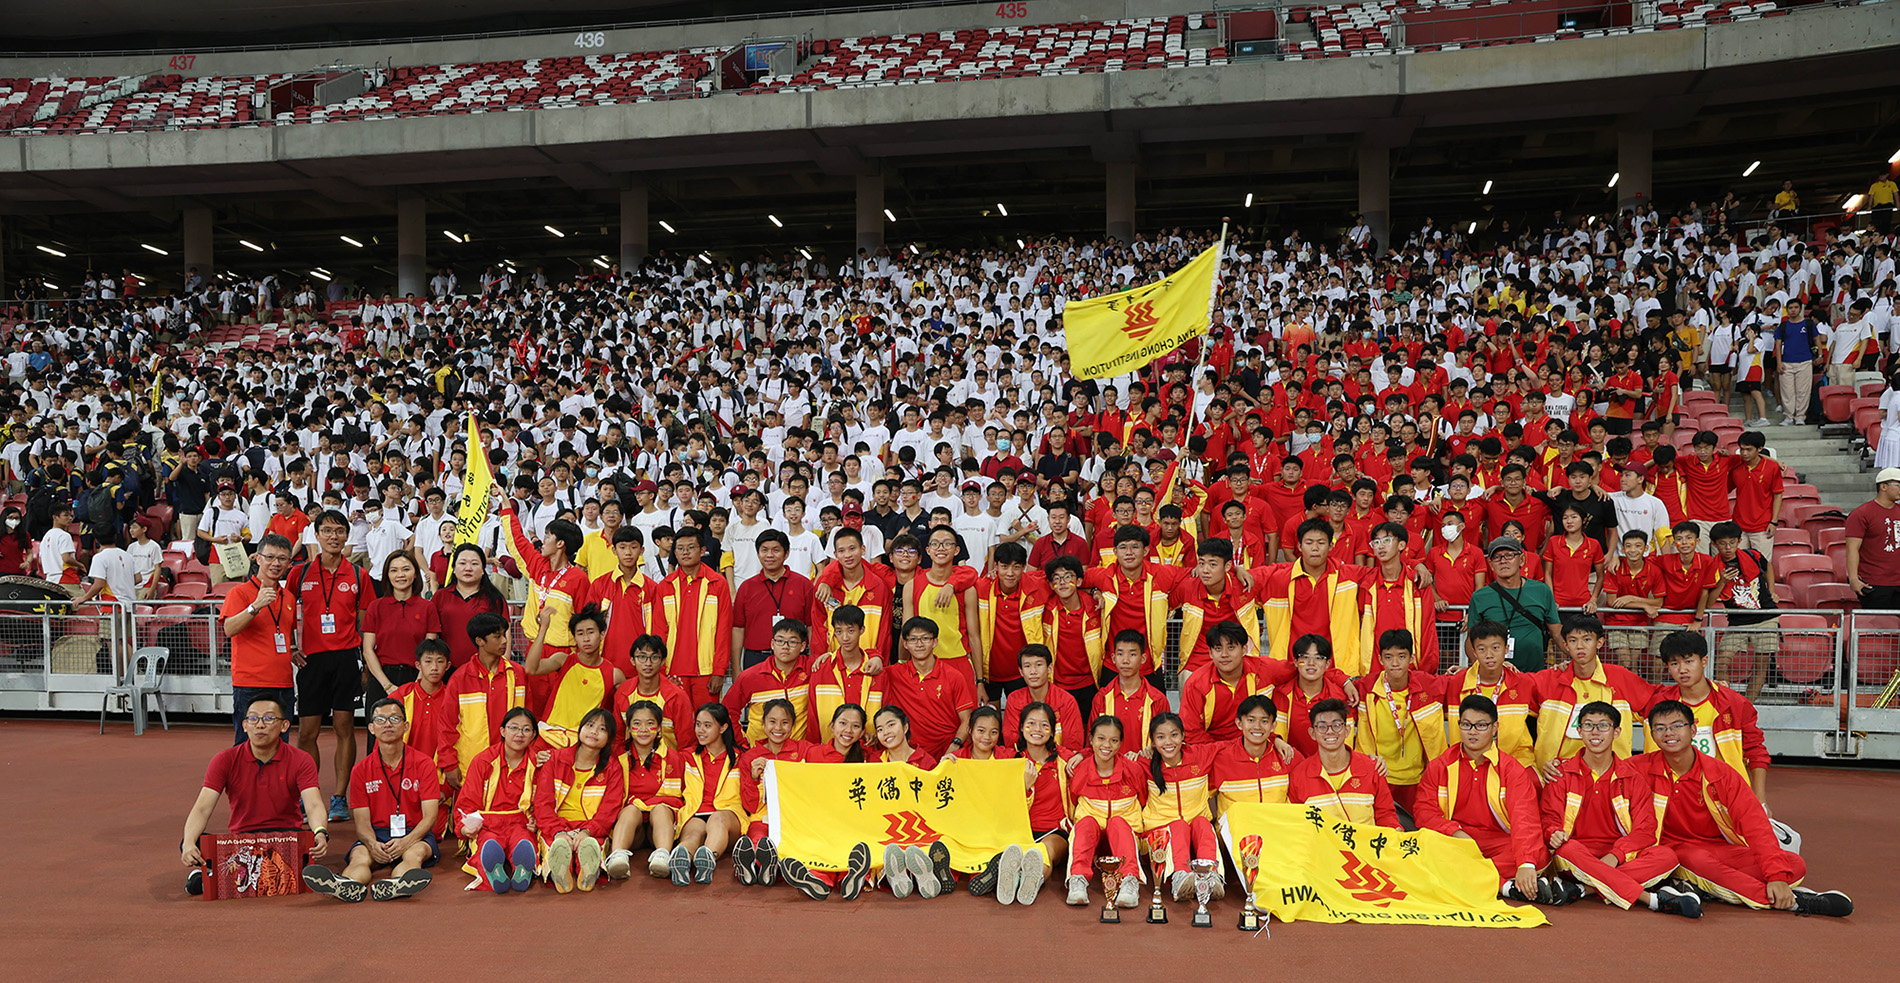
point(818, 812)
point(1316, 868)
point(477, 480)
point(1121, 332)
point(158, 390)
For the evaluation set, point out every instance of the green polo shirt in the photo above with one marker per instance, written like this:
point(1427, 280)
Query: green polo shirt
point(1528, 634)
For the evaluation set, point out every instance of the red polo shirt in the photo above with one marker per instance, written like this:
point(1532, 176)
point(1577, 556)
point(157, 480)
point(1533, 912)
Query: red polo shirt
point(1455, 576)
point(1755, 491)
point(452, 612)
point(760, 603)
point(934, 701)
point(1570, 569)
point(332, 601)
point(263, 794)
point(1682, 586)
point(399, 625)
point(1707, 484)
point(1532, 512)
point(387, 790)
point(1620, 581)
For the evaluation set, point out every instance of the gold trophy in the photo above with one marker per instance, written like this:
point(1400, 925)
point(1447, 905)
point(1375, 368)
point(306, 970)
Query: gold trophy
point(1204, 873)
point(1111, 870)
point(1249, 866)
point(1158, 862)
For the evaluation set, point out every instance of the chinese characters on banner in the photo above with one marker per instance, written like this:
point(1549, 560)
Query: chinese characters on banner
point(820, 811)
point(1317, 868)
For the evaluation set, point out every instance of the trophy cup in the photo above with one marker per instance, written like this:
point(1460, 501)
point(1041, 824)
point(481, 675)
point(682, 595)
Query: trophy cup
point(1158, 862)
point(1204, 874)
point(1111, 870)
point(1249, 866)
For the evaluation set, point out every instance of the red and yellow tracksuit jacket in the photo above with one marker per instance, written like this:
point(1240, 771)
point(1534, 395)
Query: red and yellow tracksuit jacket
point(1359, 794)
point(1726, 727)
point(1009, 620)
point(481, 698)
point(1513, 693)
point(658, 779)
point(1629, 825)
point(1405, 727)
point(1238, 776)
point(830, 685)
point(565, 798)
point(693, 613)
point(1297, 603)
point(1494, 800)
point(712, 783)
point(1559, 693)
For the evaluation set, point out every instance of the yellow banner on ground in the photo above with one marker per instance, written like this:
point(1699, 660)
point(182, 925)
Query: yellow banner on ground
point(1316, 868)
point(818, 812)
point(1121, 332)
point(477, 482)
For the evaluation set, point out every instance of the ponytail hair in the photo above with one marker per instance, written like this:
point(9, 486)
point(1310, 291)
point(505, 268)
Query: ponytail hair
point(658, 717)
point(1154, 759)
point(721, 716)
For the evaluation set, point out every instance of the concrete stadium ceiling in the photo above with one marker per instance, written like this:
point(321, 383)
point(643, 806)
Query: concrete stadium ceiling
point(140, 24)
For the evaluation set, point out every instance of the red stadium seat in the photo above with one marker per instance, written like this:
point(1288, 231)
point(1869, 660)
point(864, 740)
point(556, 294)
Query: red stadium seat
point(1836, 403)
point(1876, 641)
point(1807, 648)
point(1828, 595)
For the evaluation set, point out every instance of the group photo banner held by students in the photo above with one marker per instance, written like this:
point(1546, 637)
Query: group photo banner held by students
point(1316, 868)
point(1121, 332)
point(818, 812)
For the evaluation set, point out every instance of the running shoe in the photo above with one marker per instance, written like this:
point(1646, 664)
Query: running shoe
point(1833, 904)
point(323, 880)
point(1078, 890)
point(619, 864)
point(939, 855)
point(897, 871)
point(561, 864)
point(658, 863)
point(1032, 879)
point(1673, 902)
point(339, 809)
point(768, 862)
point(1130, 894)
point(857, 871)
point(801, 877)
point(679, 864)
point(703, 861)
point(923, 870)
point(587, 858)
point(745, 862)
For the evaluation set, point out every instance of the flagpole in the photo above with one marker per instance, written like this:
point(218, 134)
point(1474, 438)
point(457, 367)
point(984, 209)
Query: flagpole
point(1207, 341)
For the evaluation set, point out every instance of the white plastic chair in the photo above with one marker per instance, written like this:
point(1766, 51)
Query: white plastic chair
point(143, 678)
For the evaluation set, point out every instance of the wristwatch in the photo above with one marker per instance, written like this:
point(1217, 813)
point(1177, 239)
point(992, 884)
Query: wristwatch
point(323, 831)
point(956, 742)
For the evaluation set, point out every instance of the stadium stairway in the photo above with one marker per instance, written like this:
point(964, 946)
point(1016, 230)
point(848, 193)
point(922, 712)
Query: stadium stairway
point(1830, 463)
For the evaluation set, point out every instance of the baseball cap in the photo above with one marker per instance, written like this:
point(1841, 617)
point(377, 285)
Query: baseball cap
point(1503, 544)
point(972, 486)
point(1886, 475)
point(645, 486)
point(853, 508)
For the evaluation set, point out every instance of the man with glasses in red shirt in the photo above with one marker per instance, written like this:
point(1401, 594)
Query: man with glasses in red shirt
point(271, 785)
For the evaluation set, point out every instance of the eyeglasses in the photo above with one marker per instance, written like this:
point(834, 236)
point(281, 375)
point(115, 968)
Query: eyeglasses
point(385, 719)
point(1467, 725)
point(518, 729)
point(1329, 726)
point(904, 551)
point(1596, 726)
point(266, 719)
point(1670, 728)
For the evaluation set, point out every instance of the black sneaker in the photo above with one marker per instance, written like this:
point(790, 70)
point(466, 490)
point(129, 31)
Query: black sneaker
point(1670, 901)
point(984, 881)
point(745, 858)
point(323, 880)
point(940, 866)
point(768, 863)
point(1569, 891)
point(799, 876)
point(407, 886)
point(195, 881)
point(1833, 904)
point(857, 870)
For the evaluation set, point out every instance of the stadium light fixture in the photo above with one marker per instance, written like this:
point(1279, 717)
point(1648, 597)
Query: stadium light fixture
point(600, 262)
point(319, 274)
point(668, 227)
point(50, 251)
point(1487, 188)
point(1001, 210)
point(1019, 244)
point(889, 216)
point(1473, 230)
point(1853, 203)
point(148, 247)
point(452, 236)
point(50, 285)
point(1618, 176)
point(1895, 159)
point(914, 251)
point(802, 251)
point(1249, 202)
point(775, 221)
point(252, 246)
point(556, 233)
point(1750, 169)
point(351, 241)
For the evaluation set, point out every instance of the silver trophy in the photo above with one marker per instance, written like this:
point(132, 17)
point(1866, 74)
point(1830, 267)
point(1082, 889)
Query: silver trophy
point(1204, 873)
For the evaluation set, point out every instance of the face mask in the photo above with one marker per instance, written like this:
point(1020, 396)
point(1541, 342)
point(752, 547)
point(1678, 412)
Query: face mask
point(13, 523)
point(375, 518)
point(1450, 531)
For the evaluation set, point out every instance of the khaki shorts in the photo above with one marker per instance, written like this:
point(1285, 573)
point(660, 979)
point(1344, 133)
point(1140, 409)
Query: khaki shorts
point(1632, 639)
point(1763, 638)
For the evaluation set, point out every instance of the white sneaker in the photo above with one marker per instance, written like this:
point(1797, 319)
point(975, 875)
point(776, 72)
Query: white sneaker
point(1009, 873)
point(1032, 879)
point(1130, 894)
point(1078, 890)
point(618, 865)
point(897, 871)
point(657, 863)
point(1181, 884)
point(1220, 885)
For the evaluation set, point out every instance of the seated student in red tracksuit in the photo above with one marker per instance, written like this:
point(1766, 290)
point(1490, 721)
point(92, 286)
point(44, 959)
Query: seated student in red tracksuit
point(1600, 822)
point(1709, 815)
point(846, 726)
point(492, 813)
point(1475, 791)
point(754, 857)
point(1178, 818)
point(656, 791)
point(1345, 784)
point(926, 869)
point(1106, 792)
point(578, 795)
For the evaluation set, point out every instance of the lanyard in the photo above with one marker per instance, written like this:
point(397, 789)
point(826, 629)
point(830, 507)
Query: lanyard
point(393, 788)
point(276, 620)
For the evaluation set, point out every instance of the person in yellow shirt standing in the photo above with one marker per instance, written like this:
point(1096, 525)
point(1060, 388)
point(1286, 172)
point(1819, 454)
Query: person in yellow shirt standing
point(1880, 200)
point(1787, 202)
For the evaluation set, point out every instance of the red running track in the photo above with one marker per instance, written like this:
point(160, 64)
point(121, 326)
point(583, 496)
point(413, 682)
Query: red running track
point(94, 891)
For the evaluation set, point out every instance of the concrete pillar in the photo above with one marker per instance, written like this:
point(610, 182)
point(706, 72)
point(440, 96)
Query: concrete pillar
point(1375, 193)
point(1121, 200)
point(412, 236)
point(198, 241)
point(635, 239)
point(1635, 167)
point(871, 220)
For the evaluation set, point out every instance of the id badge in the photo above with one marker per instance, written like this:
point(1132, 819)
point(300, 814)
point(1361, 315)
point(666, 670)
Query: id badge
point(398, 824)
point(326, 623)
point(283, 643)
